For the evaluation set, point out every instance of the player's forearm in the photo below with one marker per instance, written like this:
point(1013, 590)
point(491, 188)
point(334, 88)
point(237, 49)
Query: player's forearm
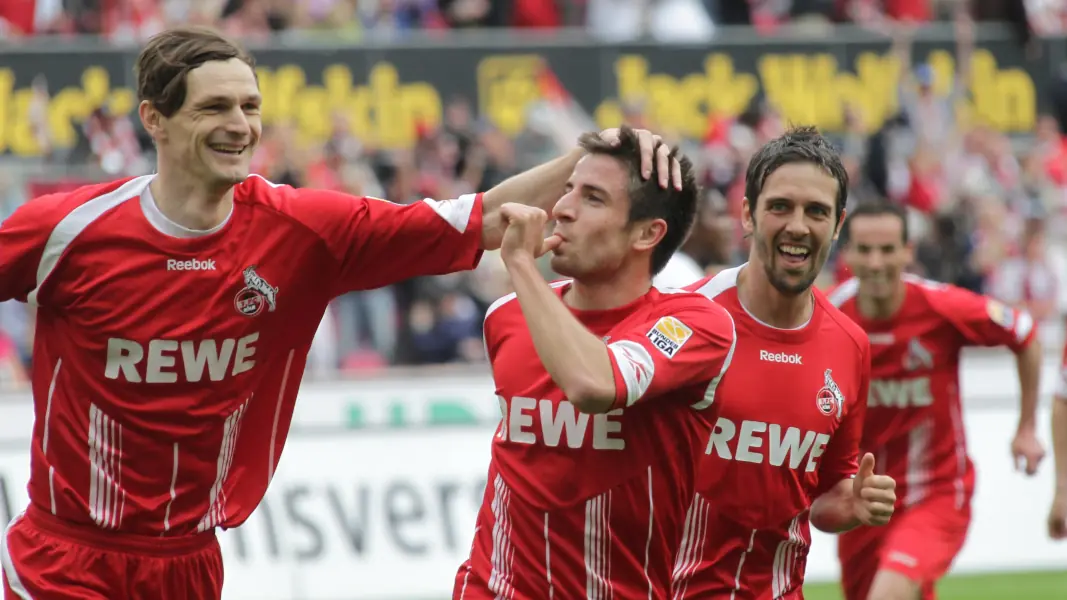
point(834, 511)
point(1028, 365)
point(540, 186)
point(576, 359)
point(1059, 442)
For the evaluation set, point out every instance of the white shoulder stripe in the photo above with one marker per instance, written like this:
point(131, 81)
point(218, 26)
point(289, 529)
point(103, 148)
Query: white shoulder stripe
point(77, 221)
point(501, 302)
point(844, 292)
point(456, 212)
point(723, 281)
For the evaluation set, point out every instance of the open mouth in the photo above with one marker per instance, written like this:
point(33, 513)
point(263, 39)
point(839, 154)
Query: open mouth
point(228, 150)
point(793, 254)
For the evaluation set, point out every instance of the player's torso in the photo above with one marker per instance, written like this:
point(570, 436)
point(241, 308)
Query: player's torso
point(542, 436)
point(914, 422)
point(158, 346)
point(780, 404)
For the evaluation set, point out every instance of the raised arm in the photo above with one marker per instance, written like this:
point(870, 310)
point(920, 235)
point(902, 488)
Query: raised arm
point(542, 186)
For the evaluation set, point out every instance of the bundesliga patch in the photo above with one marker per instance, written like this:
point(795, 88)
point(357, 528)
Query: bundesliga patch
point(1000, 314)
point(668, 335)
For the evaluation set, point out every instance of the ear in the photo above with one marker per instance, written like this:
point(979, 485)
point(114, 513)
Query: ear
point(152, 120)
point(748, 222)
point(647, 234)
point(840, 223)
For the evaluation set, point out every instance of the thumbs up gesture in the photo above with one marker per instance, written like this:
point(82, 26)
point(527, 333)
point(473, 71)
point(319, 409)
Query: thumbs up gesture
point(872, 495)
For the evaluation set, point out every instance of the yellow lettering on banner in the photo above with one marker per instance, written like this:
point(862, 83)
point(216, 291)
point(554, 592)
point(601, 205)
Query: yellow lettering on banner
point(684, 104)
point(385, 111)
point(507, 85)
point(813, 88)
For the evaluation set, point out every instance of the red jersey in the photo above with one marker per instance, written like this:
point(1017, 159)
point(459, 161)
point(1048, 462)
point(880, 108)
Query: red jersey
point(591, 506)
point(790, 418)
point(166, 361)
point(915, 425)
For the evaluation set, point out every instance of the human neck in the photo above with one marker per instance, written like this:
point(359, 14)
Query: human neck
point(606, 294)
point(763, 301)
point(195, 207)
point(877, 309)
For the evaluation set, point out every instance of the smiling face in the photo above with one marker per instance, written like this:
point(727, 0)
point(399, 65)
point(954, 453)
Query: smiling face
point(214, 133)
point(793, 225)
point(877, 253)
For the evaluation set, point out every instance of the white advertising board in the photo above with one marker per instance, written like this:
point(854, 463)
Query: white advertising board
point(390, 515)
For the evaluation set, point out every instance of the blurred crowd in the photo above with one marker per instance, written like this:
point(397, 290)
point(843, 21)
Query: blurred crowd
point(666, 20)
point(986, 211)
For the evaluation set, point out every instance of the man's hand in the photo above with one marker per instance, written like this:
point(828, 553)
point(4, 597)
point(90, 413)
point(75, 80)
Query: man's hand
point(1027, 450)
point(873, 495)
point(652, 149)
point(524, 230)
point(1057, 517)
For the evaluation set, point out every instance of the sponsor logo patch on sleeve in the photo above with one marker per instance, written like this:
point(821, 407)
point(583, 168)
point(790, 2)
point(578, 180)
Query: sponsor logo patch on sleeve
point(668, 335)
point(1000, 314)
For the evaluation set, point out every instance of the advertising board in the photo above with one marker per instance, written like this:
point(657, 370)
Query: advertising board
point(389, 91)
point(389, 514)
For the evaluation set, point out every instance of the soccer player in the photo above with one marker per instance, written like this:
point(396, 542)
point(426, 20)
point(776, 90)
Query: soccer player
point(175, 313)
point(1057, 516)
point(784, 451)
point(604, 384)
point(914, 425)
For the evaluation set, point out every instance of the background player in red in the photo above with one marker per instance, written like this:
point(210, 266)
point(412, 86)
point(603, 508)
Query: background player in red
point(604, 385)
point(175, 313)
point(1057, 516)
point(791, 407)
point(914, 425)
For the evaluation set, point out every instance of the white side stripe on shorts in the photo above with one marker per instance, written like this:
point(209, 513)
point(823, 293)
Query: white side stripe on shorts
point(12, 577)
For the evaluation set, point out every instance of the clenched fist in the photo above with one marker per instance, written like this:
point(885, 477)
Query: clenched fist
point(524, 230)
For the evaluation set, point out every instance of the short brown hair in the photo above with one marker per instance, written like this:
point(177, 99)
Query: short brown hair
point(168, 57)
point(647, 199)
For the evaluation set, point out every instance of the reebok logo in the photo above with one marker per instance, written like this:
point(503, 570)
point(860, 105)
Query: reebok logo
point(780, 357)
point(190, 265)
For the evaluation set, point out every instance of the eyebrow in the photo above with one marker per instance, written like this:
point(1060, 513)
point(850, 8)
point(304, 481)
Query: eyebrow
point(596, 189)
point(226, 99)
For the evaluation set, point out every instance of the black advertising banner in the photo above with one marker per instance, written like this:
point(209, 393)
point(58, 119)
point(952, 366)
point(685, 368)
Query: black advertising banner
point(388, 91)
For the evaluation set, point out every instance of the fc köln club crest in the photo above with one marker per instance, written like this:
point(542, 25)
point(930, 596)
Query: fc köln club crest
point(829, 399)
point(256, 295)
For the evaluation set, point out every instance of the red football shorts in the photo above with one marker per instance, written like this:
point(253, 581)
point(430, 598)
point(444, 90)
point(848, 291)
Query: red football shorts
point(920, 542)
point(45, 559)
